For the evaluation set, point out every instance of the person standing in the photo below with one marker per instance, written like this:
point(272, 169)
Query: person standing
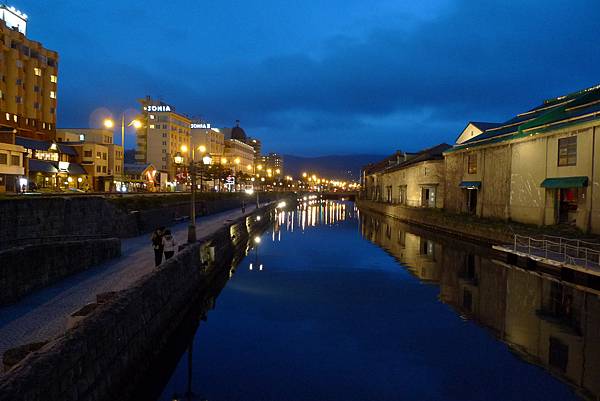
point(243, 207)
point(157, 245)
point(168, 244)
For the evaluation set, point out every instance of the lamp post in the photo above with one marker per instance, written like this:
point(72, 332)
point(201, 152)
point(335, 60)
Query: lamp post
point(206, 159)
point(109, 123)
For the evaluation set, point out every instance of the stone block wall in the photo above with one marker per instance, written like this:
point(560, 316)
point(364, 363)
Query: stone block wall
point(25, 269)
point(26, 218)
point(107, 353)
point(442, 221)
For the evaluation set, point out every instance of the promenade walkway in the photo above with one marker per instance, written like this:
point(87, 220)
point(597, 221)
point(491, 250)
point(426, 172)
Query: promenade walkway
point(43, 315)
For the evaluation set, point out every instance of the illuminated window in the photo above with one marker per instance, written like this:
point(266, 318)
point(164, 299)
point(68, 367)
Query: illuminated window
point(152, 116)
point(567, 151)
point(472, 164)
point(53, 79)
point(37, 71)
point(15, 118)
point(52, 94)
point(7, 117)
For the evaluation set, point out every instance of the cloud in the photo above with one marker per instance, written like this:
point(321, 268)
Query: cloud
point(406, 81)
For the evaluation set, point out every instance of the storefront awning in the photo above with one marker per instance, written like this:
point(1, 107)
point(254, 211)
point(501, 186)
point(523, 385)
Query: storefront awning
point(565, 182)
point(470, 184)
point(76, 169)
point(41, 166)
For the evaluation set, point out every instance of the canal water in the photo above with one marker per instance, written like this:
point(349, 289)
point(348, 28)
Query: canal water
point(338, 304)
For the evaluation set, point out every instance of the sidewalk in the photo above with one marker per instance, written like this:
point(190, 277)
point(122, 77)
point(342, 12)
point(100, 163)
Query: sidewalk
point(43, 314)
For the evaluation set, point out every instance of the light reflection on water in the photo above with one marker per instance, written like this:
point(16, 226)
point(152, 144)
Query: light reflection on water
point(316, 312)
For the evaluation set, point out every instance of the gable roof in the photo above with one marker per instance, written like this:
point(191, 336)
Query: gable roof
point(391, 163)
point(577, 107)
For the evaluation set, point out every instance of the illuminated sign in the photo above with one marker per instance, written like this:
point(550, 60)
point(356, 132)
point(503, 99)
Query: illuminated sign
point(200, 125)
point(13, 18)
point(157, 108)
point(63, 166)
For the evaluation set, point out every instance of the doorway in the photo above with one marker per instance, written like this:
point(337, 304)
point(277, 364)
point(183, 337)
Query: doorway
point(472, 200)
point(567, 205)
point(428, 197)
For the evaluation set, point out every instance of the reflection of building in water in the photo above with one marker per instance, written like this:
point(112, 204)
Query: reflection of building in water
point(548, 323)
point(315, 212)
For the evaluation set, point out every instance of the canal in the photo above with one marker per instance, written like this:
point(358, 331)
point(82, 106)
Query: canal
point(339, 304)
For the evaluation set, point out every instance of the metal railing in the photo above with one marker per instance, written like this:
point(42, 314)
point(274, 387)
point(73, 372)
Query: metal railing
point(565, 250)
point(25, 241)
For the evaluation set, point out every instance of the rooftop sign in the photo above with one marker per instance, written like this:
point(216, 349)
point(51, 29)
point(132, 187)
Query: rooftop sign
point(200, 125)
point(157, 108)
point(13, 18)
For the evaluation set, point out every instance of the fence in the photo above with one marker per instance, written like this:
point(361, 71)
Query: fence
point(565, 250)
point(47, 239)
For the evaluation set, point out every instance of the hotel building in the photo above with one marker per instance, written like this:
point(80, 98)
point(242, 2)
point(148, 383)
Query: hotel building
point(28, 81)
point(162, 136)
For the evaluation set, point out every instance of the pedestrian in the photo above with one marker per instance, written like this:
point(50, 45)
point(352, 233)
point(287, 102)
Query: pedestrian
point(157, 245)
point(243, 207)
point(168, 244)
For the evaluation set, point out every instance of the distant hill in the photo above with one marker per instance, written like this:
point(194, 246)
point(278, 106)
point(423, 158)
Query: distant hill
point(346, 167)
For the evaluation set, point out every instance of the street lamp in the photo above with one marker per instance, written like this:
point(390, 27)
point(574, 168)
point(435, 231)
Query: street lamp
point(206, 159)
point(109, 123)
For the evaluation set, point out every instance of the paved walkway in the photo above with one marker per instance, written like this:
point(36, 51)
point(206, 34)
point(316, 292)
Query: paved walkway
point(43, 314)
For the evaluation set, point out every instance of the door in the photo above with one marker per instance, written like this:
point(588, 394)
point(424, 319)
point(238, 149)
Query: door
point(472, 201)
point(567, 205)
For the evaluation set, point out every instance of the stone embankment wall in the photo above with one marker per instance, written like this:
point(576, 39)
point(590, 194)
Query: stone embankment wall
point(460, 225)
point(107, 353)
point(25, 269)
point(69, 216)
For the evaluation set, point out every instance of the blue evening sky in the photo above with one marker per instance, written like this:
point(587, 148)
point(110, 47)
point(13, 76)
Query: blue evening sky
point(320, 77)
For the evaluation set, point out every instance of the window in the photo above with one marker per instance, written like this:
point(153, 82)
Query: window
point(15, 160)
point(53, 79)
point(567, 151)
point(37, 71)
point(52, 94)
point(18, 99)
point(87, 153)
point(104, 169)
point(98, 169)
point(36, 88)
point(36, 106)
point(472, 164)
point(99, 155)
point(103, 156)
point(19, 64)
point(7, 117)
point(19, 81)
point(3, 158)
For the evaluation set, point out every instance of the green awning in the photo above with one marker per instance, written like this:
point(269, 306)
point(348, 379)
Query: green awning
point(470, 184)
point(565, 182)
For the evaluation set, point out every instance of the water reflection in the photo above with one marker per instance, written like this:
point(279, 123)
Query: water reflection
point(545, 321)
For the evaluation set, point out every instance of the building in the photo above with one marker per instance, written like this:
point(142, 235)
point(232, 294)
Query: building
point(12, 163)
point(411, 179)
point(540, 167)
point(202, 134)
point(53, 166)
point(142, 178)
point(273, 162)
point(239, 156)
point(164, 134)
point(102, 159)
point(256, 145)
point(29, 77)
